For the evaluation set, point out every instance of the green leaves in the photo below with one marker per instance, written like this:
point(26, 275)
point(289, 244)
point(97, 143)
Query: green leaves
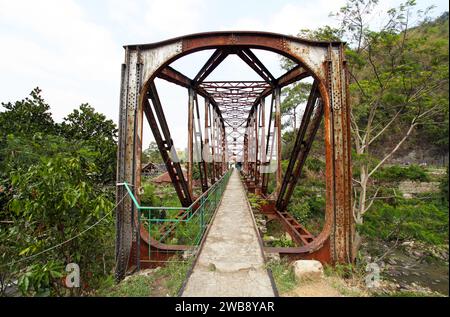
point(52, 188)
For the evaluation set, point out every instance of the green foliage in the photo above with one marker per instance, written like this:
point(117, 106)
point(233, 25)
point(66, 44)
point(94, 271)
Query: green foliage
point(165, 281)
point(26, 117)
point(256, 201)
point(56, 199)
point(283, 275)
point(396, 173)
point(133, 286)
point(99, 133)
point(151, 154)
point(147, 195)
point(282, 242)
point(444, 187)
point(53, 197)
point(307, 204)
point(314, 164)
point(39, 277)
point(411, 219)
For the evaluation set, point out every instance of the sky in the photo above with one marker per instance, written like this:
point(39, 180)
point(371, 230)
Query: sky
point(73, 50)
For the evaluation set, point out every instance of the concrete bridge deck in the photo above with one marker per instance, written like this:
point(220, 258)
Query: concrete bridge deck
point(231, 261)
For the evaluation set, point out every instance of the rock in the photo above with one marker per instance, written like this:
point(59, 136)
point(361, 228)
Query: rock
point(189, 253)
point(211, 267)
point(288, 237)
point(269, 238)
point(392, 261)
point(272, 256)
point(408, 243)
point(308, 269)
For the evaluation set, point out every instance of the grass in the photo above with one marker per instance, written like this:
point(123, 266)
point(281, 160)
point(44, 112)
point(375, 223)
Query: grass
point(406, 294)
point(134, 286)
point(166, 281)
point(283, 275)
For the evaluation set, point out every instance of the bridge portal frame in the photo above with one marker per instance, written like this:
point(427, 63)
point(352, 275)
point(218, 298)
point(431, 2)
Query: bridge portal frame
point(324, 61)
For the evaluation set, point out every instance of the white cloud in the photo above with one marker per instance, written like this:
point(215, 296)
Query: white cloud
point(172, 17)
point(53, 44)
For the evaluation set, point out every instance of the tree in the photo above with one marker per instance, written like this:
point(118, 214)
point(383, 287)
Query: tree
point(26, 117)
point(294, 97)
point(101, 134)
point(151, 154)
point(55, 200)
point(397, 85)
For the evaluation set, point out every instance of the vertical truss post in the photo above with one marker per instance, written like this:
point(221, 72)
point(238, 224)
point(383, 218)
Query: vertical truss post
point(213, 143)
point(245, 167)
point(338, 158)
point(277, 96)
point(256, 143)
point(224, 150)
point(262, 147)
point(128, 162)
point(268, 149)
point(190, 145)
point(199, 148)
point(207, 146)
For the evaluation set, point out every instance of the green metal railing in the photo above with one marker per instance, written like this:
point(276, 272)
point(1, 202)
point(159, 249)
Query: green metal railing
point(180, 225)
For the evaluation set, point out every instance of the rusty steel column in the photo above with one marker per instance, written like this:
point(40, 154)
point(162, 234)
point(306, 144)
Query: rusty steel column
point(255, 176)
point(128, 160)
point(190, 145)
point(279, 173)
point(245, 155)
point(342, 235)
point(262, 150)
point(224, 151)
point(206, 145)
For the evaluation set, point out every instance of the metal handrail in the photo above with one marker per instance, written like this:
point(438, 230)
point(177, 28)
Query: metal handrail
point(203, 195)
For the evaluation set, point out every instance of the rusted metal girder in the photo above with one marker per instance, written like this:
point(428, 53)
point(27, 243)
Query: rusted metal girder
point(165, 145)
point(301, 148)
point(324, 61)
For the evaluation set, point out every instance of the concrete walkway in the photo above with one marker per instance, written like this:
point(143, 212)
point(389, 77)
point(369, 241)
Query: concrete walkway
point(231, 262)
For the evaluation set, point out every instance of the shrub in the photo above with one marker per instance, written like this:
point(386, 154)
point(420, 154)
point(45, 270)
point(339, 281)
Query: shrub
point(315, 164)
point(427, 222)
point(399, 173)
point(147, 195)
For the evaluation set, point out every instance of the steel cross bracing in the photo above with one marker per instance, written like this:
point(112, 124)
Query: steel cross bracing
point(241, 122)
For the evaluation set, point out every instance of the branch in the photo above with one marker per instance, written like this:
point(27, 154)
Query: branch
point(359, 85)
point(385, 127)
point(371, 201)
point(412, 126)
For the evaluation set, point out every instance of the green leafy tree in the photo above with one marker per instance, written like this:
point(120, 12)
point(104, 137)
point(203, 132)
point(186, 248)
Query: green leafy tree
point(398, 82)
point(294, 97)
point(151, 154)
point(99, 133)
point(55, 200)
point(26, 117)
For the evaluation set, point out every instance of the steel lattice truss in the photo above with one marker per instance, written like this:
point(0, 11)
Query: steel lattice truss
point(241, 122)
point(235, 100)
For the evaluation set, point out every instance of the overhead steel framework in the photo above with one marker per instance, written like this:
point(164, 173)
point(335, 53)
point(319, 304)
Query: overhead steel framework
point(234, 128)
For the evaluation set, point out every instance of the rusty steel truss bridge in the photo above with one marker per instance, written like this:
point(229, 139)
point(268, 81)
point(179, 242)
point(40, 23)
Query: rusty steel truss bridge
point(234, 128)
